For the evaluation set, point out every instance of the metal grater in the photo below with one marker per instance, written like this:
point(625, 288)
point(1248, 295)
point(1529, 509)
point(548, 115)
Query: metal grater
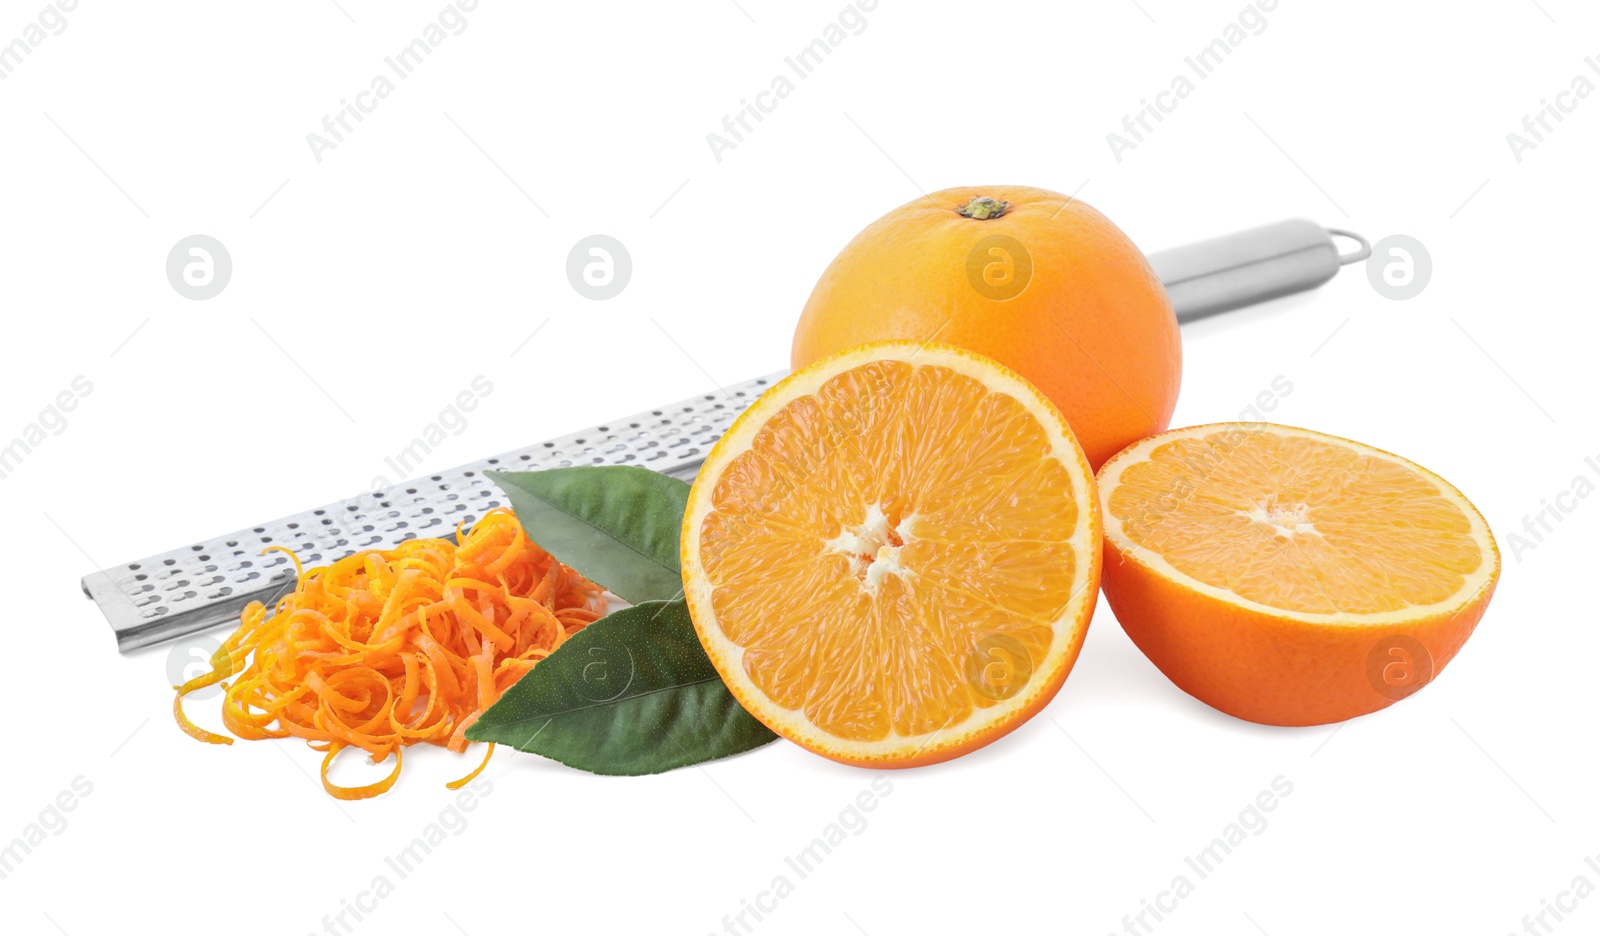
point(208, 583)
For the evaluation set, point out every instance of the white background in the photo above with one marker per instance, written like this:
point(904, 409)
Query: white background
point(410, 260)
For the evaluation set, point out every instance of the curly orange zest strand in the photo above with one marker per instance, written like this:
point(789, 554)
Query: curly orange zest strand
point(458, 784)
point(389, 648)
point(359, 792)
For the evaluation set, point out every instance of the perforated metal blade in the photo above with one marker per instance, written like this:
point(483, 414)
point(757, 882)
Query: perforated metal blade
point(207, 583)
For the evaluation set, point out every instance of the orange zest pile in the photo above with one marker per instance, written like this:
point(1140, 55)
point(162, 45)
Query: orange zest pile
point(389, 648)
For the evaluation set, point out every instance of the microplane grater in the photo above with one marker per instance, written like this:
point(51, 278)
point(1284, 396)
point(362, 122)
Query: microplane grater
point(206, 584)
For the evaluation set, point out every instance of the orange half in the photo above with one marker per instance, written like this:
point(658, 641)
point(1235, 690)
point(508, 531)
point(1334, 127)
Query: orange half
point(892, 556)
point(1289, 577)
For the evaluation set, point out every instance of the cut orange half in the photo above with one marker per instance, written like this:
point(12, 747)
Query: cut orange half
point(1289, 577)
point(893, 555)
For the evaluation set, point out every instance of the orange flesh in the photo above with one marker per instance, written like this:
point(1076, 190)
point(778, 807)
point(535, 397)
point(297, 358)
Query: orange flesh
point(1297, 523)
point(876, 534)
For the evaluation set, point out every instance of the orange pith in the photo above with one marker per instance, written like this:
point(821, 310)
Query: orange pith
point(1264, 568)
point(891, 558)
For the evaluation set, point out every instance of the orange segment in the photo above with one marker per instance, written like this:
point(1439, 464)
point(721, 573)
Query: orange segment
point(1275, 573)
point(892, 556)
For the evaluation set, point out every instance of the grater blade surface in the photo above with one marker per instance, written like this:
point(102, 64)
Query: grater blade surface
point(207, 583)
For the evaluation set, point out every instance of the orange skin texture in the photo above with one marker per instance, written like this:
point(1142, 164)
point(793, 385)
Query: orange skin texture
point(1263, 669)
point(1093, 329)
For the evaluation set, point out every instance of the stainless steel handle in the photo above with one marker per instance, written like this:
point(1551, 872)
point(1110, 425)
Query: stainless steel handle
point(1252, 266)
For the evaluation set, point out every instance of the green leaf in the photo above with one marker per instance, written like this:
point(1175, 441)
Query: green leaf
point(617, 525)
point(633, 693)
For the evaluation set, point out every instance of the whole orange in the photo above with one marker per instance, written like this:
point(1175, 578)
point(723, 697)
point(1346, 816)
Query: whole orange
point(1038, 281)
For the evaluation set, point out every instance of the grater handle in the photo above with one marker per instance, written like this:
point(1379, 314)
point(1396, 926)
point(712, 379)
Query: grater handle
point(1252, 266)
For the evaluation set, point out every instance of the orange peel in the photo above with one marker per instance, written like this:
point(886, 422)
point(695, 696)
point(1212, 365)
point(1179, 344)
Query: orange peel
point(384, 649)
